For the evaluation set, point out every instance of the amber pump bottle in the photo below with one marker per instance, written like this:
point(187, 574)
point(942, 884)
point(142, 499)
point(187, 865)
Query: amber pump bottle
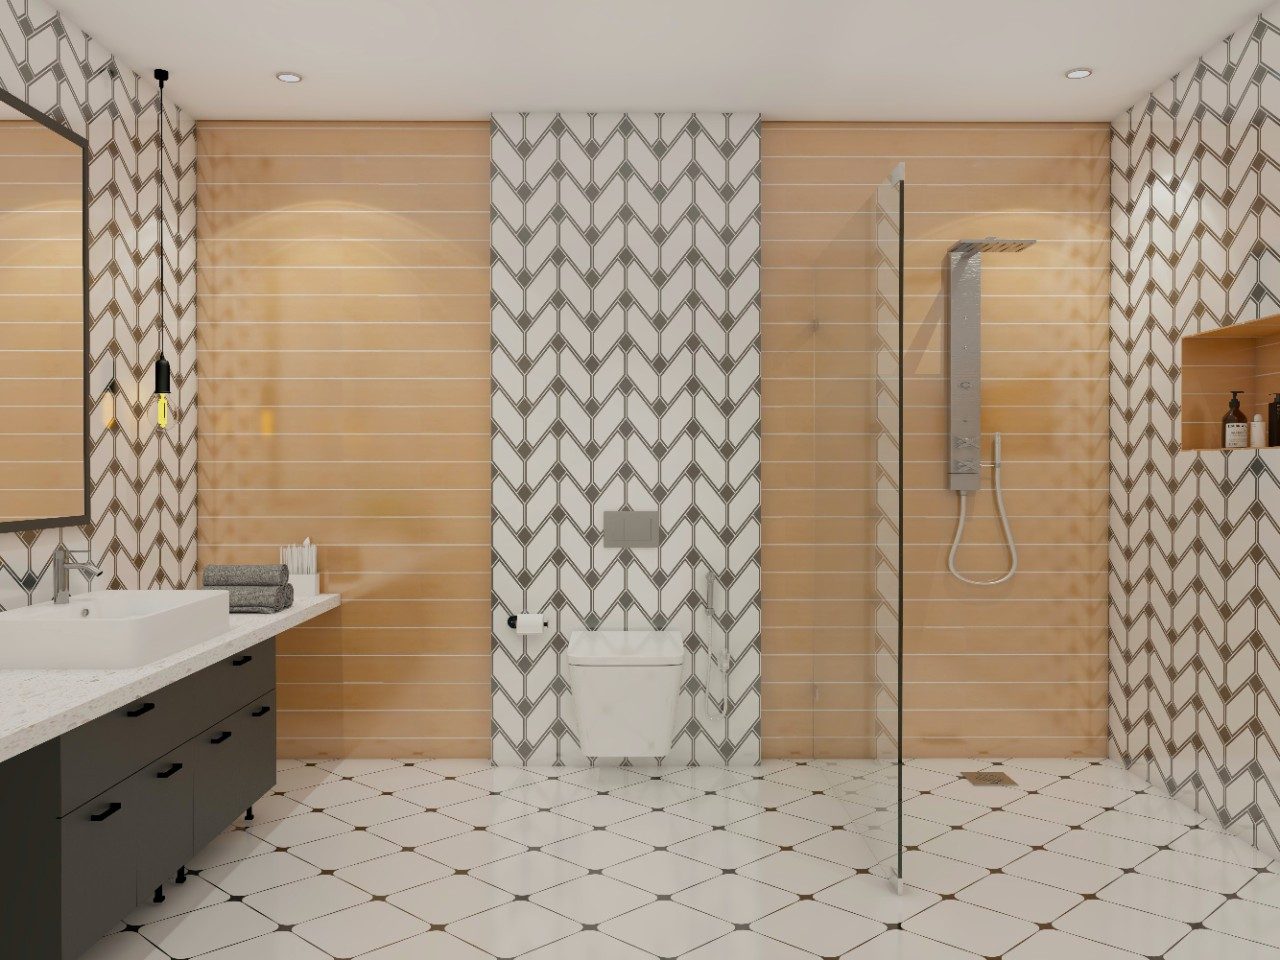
point(1235, 425)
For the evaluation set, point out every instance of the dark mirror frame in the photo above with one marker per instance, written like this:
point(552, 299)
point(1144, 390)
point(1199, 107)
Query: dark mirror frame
point(43, 523)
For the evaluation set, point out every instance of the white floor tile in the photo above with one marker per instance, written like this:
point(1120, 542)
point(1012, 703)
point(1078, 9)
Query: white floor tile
point(433, 945)
point(735, 898)
point(717, 810)
point(723, 849)
point(601, 811)
point(432, 796)
point(373, 810)
point(976, 848)
point(1241, 918)
point(849, 849)
point(1207, 874)
point(1264, 889)
point(307, 899)
point(419, 829)
point(256, 874)
point(334, 853)
point(123, 946)
point(592, 899)
point(1113, 775)
point(992, 798)
point(1102, 848)
point(469, 850)
point(666, 928)
point(796, 872)
point(1202, 944)
point(810, 778)
point(1122, 927)
point(657, 794)
point(1220, 846)
point(659, 828)
point(361, 929)
point(301, 829)
point(747, 945)
point(209, 929)
point(453, 768)
point(938, 874)
point(818, 928)
point(1066, 812)
point(288, 763)
point(781, 829)
point(597, 849)
point(274, 946)
point(949, 765)
point(921, 778)
point(1058, 766)
point(1081, 791)
point(903, 945)
point(602, 779)
point(1056, 945)
point(1020, 898)
point(449, 898)
point(179, 898)
point(391, 874)
point(356, 767)
point(487, 810)
point(546, 794)
point(1018, 828)
point(1159, 833)
point(885, 826)
point(877, 898)
point(527, 873)
point(833, 811)
point(398, 778)
point(228, 848)
point(296, 778)
point(539, 829)
point(707, 778)
point(330, 794)
point(661, 872)
point(587, 945)
point(1161, 808)
point(513, 928)
point(498, 779)
point(1066, 873)
point(764, 793)
point(952, 813)
point(967, 927)
point(1176, 901)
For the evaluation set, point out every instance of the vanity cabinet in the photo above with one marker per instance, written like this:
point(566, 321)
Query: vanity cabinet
point(94, 821)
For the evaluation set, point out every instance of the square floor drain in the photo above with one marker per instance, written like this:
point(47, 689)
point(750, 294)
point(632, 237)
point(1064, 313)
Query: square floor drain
point(989, 778)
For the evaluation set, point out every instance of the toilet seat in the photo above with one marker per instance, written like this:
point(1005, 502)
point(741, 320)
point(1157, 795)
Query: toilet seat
point(625, 648)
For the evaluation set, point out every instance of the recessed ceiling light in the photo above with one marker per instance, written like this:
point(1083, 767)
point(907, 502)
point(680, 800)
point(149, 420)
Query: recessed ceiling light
point(289, 76)
point(1075, 73)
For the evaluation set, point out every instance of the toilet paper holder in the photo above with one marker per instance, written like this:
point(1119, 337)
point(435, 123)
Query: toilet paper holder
point(511, 621)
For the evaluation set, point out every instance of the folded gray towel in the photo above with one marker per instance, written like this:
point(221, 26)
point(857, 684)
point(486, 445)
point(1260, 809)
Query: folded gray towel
point(246, 575)
point(259, 599)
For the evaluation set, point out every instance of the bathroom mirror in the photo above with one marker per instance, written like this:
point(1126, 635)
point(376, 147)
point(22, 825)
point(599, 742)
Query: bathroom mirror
point(44, 321)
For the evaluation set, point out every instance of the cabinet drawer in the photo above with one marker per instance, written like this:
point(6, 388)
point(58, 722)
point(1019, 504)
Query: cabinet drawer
point(235, 766)
point(229, 684)
point(165, 793)
point(99, 866)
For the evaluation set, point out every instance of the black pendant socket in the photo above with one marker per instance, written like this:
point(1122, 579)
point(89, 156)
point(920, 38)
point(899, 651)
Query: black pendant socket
point(162, 375)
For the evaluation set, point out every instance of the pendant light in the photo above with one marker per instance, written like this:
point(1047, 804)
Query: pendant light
point(163, 379)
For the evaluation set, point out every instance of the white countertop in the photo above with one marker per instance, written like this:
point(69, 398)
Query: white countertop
point(39, 705)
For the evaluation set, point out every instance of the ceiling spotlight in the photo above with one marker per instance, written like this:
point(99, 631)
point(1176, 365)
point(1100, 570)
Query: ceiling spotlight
point(289, 76)
point(1075, 73)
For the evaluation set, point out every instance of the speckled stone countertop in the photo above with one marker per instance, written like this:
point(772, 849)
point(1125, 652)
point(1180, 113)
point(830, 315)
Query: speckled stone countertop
point(39, 705)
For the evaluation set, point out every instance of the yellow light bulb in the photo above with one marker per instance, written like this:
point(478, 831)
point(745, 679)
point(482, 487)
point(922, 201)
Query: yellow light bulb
point(162, 410)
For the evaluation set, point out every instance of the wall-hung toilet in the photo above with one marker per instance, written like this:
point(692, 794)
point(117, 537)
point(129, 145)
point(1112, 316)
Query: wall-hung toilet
point(625, 685)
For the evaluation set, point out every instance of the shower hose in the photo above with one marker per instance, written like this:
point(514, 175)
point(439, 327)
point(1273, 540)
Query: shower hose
point(1004, 523)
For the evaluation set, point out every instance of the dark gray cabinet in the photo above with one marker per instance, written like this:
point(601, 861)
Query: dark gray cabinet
point(93, 822)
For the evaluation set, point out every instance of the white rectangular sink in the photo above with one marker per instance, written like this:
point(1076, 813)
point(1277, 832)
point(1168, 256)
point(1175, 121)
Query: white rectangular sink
point(110, 629)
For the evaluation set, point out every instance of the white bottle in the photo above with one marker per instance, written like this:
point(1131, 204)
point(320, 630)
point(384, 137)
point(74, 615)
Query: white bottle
point(1257, 432)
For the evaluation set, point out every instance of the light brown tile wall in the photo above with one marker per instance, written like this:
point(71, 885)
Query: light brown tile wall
point(344, 361)
point(1018, 669)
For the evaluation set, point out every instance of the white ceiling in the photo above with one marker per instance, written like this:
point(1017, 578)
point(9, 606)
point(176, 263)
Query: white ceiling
point(790, 59)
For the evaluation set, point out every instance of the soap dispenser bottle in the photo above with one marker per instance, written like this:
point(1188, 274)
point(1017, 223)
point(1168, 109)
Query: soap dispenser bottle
point(1235, 425)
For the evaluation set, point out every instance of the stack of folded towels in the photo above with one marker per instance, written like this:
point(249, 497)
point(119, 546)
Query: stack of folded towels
point(254, 587)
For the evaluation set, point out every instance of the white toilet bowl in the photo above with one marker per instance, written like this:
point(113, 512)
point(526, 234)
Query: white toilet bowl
point(625, 685)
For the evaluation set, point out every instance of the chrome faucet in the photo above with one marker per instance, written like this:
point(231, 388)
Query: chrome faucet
point(64, 562)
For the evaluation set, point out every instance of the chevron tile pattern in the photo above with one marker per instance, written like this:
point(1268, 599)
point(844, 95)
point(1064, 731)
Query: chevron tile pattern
point(143, 507)
point(1195, 549)
point(626, 373)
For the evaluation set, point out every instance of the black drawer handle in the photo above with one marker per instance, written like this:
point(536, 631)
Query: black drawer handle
point(140, 710)
point(261, 712)
point(111, 808)
point(166, 774)
point(241, 661)
point(223, 736)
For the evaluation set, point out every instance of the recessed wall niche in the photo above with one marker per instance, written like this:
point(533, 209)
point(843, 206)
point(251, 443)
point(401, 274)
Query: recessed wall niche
point(1244, 356)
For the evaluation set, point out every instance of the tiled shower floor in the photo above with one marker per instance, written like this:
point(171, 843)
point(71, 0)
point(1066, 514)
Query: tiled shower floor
point(461, 860)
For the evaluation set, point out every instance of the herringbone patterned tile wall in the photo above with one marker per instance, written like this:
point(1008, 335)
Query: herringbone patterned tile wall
point(1195, 550)
point(142, 526)
point(626, 373)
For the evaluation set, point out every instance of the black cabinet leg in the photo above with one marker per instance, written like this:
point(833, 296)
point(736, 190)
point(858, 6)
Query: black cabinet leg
point(248, 814)
point(182, 875)
point(159, 897)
